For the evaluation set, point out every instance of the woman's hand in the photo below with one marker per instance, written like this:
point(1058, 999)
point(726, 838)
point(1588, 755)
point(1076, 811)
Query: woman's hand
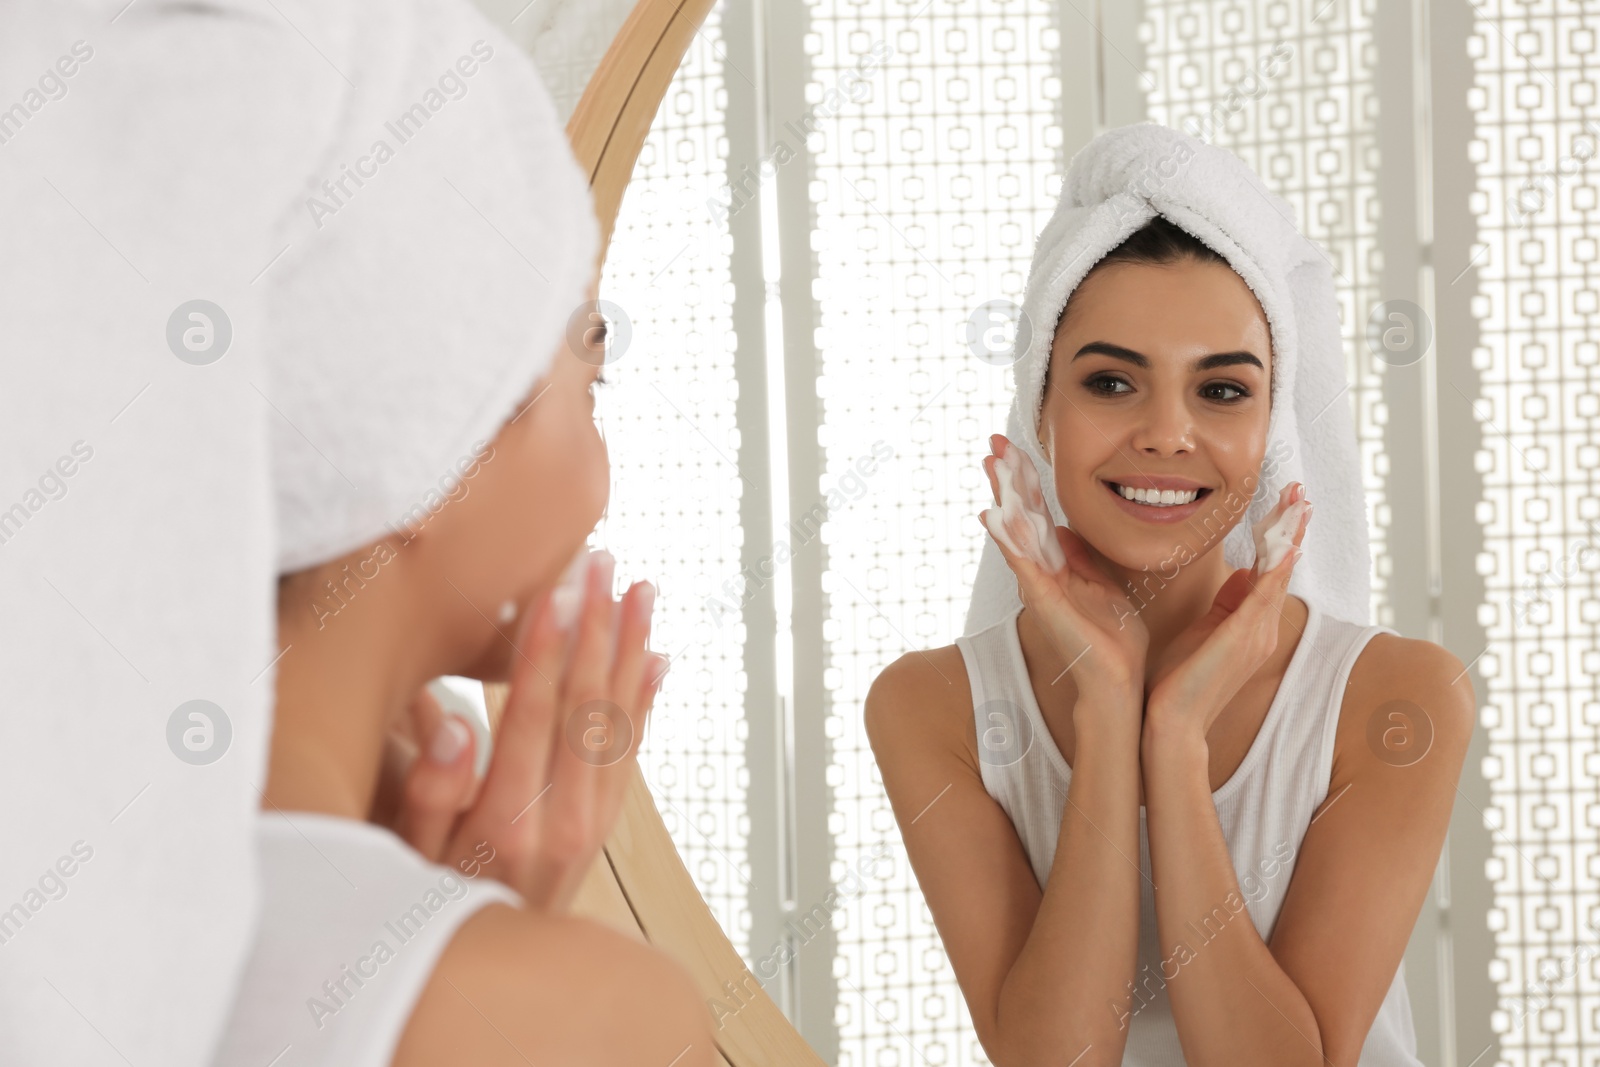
point(1210, 661)
point(1083, 609)
point(564, 751)
point(423, 770)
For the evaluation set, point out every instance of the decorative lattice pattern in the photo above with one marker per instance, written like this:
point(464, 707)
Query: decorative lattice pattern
point(931, 181)
point(668, 417)
point(567, 40)
point(1533, 94)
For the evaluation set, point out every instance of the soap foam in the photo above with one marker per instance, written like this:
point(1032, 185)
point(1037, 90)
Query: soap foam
point(1274, 541)
point(566, 600)
point(1022, 509)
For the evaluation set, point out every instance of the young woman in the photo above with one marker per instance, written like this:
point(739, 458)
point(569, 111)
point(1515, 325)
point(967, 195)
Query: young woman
point(435, 467)
point(1093, 790)
point(514, 978)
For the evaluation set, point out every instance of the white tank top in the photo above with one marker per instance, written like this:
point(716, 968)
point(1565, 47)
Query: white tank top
point(352, 921)
point(1264, 809)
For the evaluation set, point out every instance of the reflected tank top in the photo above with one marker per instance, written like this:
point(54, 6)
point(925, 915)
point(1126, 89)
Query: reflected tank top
point(1264, 809)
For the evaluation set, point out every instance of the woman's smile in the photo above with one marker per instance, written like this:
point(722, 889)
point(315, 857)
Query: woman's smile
point(1165, 509)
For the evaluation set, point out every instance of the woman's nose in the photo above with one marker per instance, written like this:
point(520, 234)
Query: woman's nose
point(1165, 426)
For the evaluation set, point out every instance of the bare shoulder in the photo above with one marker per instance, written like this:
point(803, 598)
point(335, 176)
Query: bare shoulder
point(921, 699)
point(516, 986)
point(1371, 851)
point(1405, 699)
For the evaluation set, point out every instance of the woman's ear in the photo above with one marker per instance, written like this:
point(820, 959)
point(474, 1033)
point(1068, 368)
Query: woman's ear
point(1044, 432)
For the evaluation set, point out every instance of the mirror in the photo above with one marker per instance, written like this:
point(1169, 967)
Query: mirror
point(640, 883)
point(817, 208)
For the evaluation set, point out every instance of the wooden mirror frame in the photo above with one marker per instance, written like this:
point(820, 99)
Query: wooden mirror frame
point(639, 883)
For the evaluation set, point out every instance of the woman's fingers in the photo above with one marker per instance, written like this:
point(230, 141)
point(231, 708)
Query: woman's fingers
point(1280, 575)
point(995, 526)
point(592, 654)
point(633, 633)
point(654, 675)
point(423, 717)
point(438, 787)
point(578, 700)
point(1271, 535)
point(1261, 599)
point(590, 782)
point(519, 769)
point(561, 879)
point(1036, 588)
point(1291, 503)
point(597, 733)
point(1019, 526)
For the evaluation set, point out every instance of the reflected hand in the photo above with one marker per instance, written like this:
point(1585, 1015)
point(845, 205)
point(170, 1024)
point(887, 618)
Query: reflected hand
point(1083, 609)
point(1210, 660)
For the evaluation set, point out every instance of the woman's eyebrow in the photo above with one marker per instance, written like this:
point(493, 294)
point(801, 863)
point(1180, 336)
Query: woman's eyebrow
point(1128, 355)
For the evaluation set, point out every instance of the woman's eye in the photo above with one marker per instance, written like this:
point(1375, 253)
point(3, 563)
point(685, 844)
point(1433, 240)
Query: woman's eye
point(1094, 384)
point(1242, 393)
point(1106, 385)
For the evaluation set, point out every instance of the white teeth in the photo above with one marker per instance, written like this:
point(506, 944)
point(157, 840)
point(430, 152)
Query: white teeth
point(1161, 498)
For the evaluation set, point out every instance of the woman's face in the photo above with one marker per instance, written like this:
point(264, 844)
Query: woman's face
point(532, 504)
point(1158, 373)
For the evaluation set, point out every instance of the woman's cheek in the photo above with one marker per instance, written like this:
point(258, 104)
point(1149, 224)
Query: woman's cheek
point(593, 473)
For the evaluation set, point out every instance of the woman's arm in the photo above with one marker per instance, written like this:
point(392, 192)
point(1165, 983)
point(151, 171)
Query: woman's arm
point(1073, 975)
point(1045, 975)
point(1231, 1001)
point(1367, 861)
point(1358, 882)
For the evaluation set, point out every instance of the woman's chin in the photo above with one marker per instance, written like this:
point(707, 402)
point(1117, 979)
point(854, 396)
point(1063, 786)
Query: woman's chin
point(1139, 550)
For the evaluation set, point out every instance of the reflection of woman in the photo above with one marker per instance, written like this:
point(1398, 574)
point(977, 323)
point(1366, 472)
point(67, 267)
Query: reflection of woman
point(1096, 782)
point(436, 467)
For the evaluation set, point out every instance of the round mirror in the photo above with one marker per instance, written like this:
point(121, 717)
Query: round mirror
point(641, 882)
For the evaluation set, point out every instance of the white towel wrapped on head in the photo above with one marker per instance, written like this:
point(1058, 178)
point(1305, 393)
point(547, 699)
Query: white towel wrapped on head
point(1114, 185)
point(165, 459)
